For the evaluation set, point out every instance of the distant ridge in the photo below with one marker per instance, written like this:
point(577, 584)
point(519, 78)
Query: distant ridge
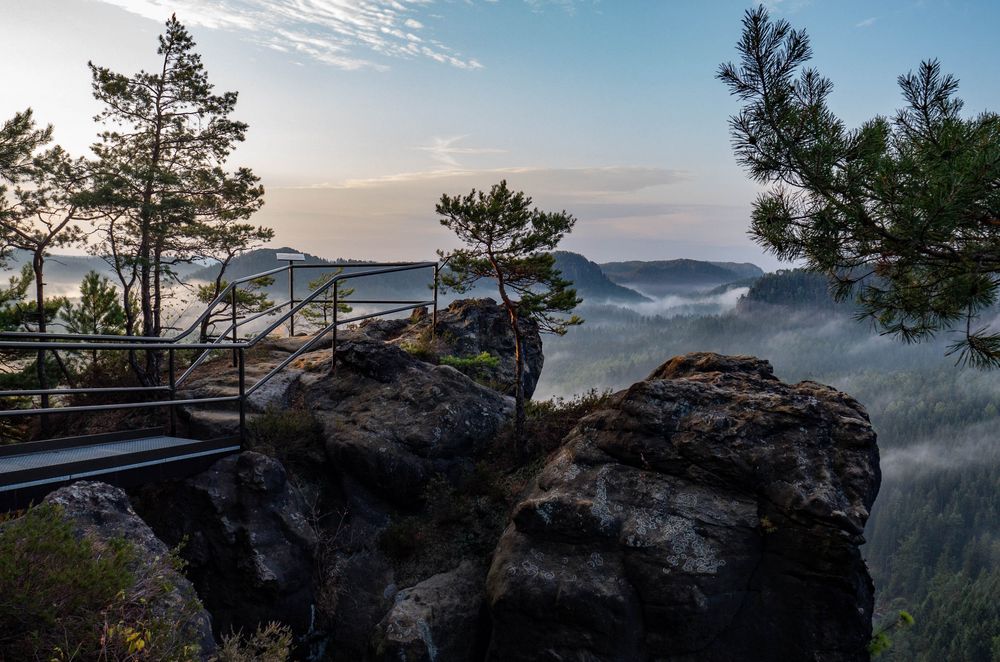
point(69, 270)
point(409, 284)
point(254, 262)
point(591, 282)
point(659, 277)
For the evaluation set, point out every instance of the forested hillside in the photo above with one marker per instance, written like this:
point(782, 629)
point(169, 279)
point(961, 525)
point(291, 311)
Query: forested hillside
point(663, 277)
point(591, 282)
point(934, 535)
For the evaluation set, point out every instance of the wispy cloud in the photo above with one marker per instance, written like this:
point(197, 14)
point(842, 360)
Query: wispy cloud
point(393, 217)
point(580, 183)
point(783, 6)
point(447, 151)
point(867, 23)
point(349, 34)
point(569, 6)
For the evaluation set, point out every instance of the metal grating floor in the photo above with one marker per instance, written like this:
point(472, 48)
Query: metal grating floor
point(59, 464)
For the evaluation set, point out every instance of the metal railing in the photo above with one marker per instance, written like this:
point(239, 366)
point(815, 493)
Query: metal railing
point(228, 339)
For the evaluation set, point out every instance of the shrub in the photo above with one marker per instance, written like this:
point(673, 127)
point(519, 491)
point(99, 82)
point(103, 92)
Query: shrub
point(270, 643)
point(477, 367)
point(549, 421)
point(69, 598)
point(293, 436)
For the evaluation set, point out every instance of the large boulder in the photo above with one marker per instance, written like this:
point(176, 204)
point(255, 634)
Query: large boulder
point(246, 538)
point(103, 513)
point(438, 620)
point(394, 422)
point(467, 328)
point(710, 512)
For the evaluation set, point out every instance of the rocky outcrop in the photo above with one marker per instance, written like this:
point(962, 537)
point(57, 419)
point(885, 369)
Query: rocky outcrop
point(438, 620)
point(103, 513)
point(710, 512)
point(247, 540)
point(394, 422)
point(467, 328)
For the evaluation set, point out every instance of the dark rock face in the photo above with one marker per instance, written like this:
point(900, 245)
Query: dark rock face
point(249, 544)
point(365, 591)
point(469, 327)
point(103, 513)
point(710, 512)
point(438, 620)
point(394, 422)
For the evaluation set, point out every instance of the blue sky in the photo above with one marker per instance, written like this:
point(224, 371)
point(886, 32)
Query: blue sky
point(362, 113)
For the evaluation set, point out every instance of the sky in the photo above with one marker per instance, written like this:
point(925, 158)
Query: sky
point(363, 112)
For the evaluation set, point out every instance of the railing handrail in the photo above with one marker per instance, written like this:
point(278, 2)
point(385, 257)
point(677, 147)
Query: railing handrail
point(33, 340)
point(303, 303)
point(221, 297)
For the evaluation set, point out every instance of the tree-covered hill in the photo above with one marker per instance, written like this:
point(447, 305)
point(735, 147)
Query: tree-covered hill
point(797, 288)
point(590, 281)
point(662, 277)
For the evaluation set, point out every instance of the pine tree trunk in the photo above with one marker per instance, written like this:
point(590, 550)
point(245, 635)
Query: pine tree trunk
point(38, 266)
point(519, 413)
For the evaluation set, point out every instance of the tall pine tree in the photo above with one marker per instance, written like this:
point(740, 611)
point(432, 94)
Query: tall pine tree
point(160, 174)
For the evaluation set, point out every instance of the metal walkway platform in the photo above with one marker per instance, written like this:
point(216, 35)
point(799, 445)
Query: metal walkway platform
point(30, 470)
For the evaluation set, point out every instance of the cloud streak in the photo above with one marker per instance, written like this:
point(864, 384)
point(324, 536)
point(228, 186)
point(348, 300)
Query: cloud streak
point(447, 151)
point(347, 34)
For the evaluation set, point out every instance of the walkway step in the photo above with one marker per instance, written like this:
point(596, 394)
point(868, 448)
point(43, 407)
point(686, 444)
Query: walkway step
point(32, 471)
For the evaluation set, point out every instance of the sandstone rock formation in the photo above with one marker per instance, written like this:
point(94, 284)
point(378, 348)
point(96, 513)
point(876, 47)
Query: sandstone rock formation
point(466, 328)
point(394, 422)
point(710, 512)
point(104, 513)
point(247, 541)
point(436, 620)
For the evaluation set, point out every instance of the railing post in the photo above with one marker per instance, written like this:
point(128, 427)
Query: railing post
point(232, 304)
point(333, 340)
point(291, 299)
point(173, 392)
point(243, 395)
point(434, 315)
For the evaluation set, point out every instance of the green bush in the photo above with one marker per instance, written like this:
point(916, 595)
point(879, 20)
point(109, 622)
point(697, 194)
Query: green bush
point(473, 366)
point(69, 598)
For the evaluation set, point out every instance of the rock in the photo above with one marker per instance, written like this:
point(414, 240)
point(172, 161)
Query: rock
point(394, 422)
point(438, 620)
point(710, 512)
point(467, 328)
point(103, 513)
point(248, 541)
point(378, 328)
point(217, 378)
point(364, 592)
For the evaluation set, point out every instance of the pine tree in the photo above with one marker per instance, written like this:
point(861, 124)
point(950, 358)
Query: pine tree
point(160, 177)
point(250, 299)
point(902, 212)
point(508, 242)
point(41, 214)
point(98, 311)
point(320, 312)
point(20, 138)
